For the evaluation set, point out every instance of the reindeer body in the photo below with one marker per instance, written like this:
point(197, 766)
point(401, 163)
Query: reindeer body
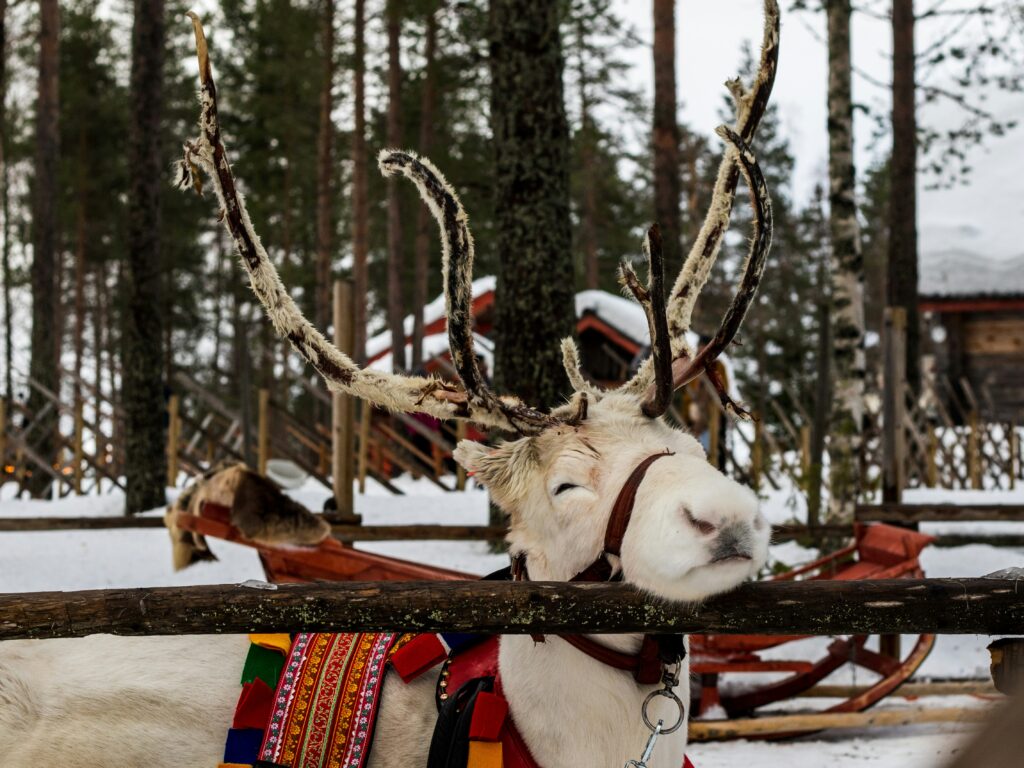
point(167, 702)
point(690, 532)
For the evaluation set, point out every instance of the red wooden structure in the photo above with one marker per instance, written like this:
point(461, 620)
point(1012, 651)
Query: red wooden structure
point(878, 552)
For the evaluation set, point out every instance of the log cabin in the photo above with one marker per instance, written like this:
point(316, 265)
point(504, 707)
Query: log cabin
point(976, 308)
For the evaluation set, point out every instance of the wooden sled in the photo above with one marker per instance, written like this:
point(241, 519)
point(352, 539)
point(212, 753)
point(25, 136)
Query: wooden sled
point(878, 552)
point(330, 560)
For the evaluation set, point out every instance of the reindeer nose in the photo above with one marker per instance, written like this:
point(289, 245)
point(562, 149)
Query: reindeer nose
point(733, 543)
point(702, 526)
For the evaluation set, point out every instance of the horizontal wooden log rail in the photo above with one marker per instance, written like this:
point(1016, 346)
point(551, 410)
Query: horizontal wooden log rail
point(716, 730)
point(351, 533)
point(947, 606)
point(982, 688)
point(429, 532)
point(939, 513)
point(24, 524)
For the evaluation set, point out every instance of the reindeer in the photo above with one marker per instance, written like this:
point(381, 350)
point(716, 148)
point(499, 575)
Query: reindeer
point(600, 488)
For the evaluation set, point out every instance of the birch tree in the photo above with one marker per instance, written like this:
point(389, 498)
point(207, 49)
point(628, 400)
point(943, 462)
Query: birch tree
point(847, 305)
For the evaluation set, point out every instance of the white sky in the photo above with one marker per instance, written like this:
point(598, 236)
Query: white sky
point(983, 217)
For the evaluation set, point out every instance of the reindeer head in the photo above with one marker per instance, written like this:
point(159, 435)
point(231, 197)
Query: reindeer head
point(691, 531)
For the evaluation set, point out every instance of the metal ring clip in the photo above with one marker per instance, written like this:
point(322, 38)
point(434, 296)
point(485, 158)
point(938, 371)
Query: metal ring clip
point(668, 694)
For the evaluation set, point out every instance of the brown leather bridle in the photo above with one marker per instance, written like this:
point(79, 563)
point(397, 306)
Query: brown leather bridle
point(656, 651)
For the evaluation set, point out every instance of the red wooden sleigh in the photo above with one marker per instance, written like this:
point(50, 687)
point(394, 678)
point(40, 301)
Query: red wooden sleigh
point(878, 552)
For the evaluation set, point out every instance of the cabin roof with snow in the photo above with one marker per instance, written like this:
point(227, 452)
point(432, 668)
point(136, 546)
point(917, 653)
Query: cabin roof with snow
point(957, 280)
point(611, 330)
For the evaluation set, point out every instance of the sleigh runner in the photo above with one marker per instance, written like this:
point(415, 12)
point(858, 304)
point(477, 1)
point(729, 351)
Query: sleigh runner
point(878, 551)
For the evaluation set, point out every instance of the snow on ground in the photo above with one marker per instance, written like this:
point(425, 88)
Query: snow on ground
point(121, 558)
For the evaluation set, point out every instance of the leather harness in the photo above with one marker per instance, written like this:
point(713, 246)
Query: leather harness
point(656, 651)
point(469, 674)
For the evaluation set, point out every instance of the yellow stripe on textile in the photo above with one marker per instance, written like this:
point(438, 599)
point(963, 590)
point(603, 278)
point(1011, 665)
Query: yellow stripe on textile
point(279, 642)
point(233, 765)
point(484, 754)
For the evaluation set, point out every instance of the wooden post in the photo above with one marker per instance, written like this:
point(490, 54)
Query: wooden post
point(365, 421)
point(757, 454)
point(342, 460)
point(932, 469)
point(3, 440)
point(805, 452)
point(79, 454)
point(1014, 455)
point(173, 428)
point(1007, 665)
point(974, 450)
point(894, 447)
point(460, 473)
point(714, 435)
point(263, 432)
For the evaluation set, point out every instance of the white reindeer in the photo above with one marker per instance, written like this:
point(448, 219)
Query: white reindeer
point(690, 532)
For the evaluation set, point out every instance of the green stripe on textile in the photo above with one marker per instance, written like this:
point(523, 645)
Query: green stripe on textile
point(264, 664)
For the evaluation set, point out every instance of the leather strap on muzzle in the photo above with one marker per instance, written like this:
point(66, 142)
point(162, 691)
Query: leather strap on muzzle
point(622, 512)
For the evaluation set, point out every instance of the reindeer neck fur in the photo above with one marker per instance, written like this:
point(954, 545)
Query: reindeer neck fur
point(575, 711)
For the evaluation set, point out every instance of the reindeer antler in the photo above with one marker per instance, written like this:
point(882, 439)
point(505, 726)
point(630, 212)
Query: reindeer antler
point(392, 391)
point(684, 369)
point(652, 299)
point(457, 271)
point(750, 105)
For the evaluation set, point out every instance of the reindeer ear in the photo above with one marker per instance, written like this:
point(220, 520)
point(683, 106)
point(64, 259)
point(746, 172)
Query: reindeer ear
point(502, 470)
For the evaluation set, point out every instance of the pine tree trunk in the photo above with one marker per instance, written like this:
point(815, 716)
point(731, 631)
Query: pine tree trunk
point(396, 312)
point(360, 191)
point(902, 272)
point(847, 312)
point(666, 135)
point(535, 306)
point(101, 340)
point(80, 244)
point(143, 363)
point(423, 218)
point(96, 322)
point(218, 309)
point(43, 364)
point(588, 210)
point(325, 170)
point(6, 209)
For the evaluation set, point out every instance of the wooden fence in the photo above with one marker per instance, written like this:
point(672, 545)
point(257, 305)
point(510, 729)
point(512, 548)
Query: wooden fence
point(895, 606)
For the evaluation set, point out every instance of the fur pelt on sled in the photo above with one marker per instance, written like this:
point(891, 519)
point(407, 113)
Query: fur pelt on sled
point(259, 510)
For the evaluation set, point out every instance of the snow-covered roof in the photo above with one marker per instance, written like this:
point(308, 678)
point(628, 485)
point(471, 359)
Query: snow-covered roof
point(624, 315)
point(431, 312)
point(959, 272)
point(435, 346)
